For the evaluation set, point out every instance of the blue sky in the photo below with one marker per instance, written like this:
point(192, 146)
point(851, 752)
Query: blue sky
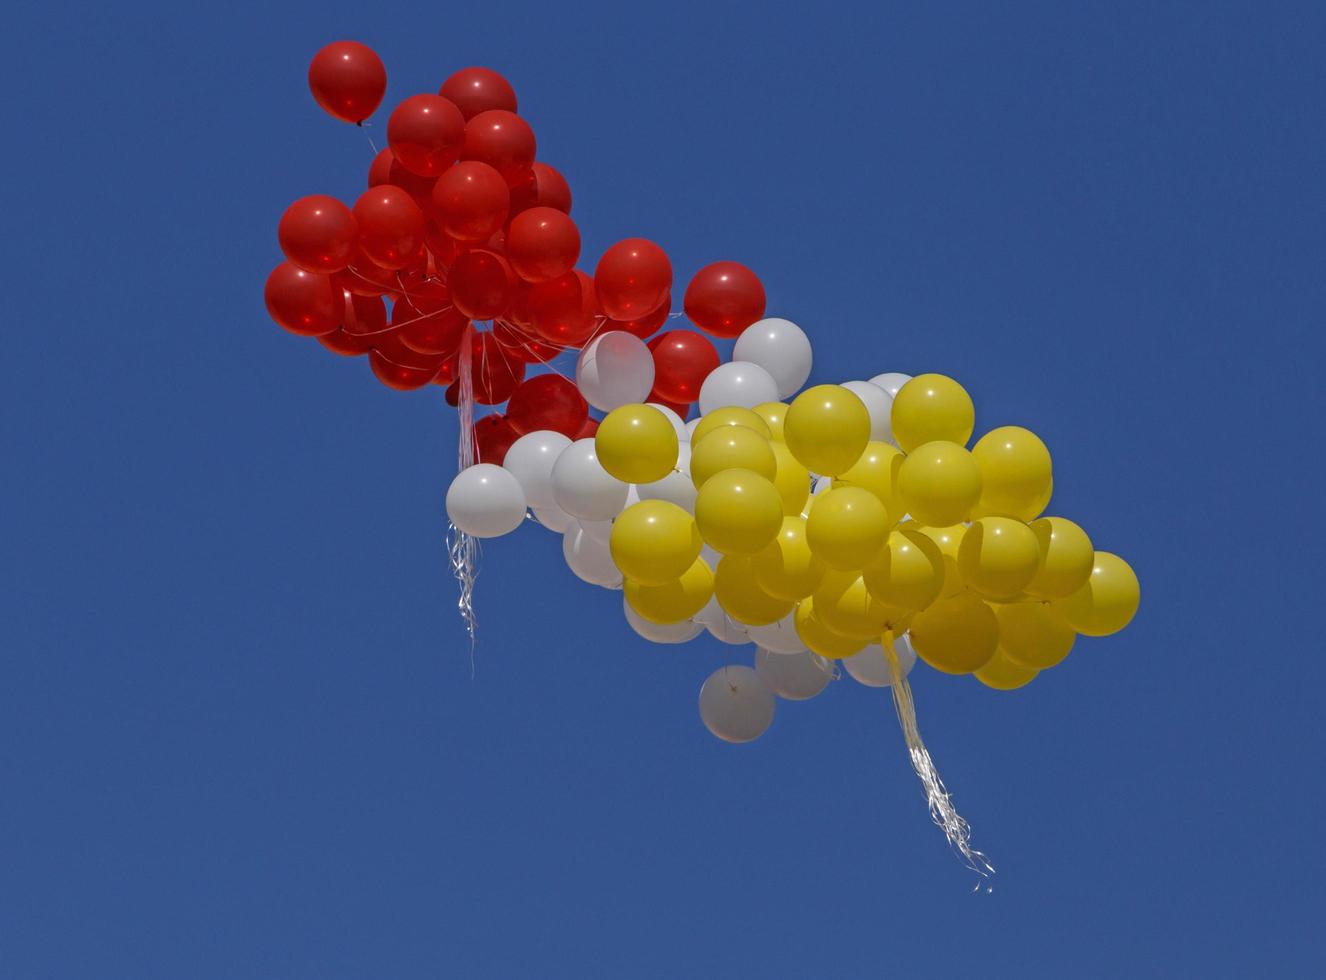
point(238, 732)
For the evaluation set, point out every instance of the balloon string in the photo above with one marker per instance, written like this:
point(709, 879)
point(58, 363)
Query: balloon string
point(363, 127)
point(937, 796)
point(463, 549)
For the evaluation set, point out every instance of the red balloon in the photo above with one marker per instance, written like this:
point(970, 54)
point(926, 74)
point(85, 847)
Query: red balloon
point(437, 333)
point(471, 201)
point(550, 188)
point(391, 226)
point(318, 233)
point(724, 299)
point(364, 315)
point(347, 344)
point(646, 325)
point(517, 343)
point(493, 374)
point(481, 283)
point(502, 140)
point(547, 401)
point(448, 372)
point(442, 246)
point(680, 408)
point(422, 292)
point(304, 302)
point(493, 436)
point(588, 430)
point(398, 376)
point(542, 244)
point(633, 278)
point(564, 310)
point(426, 133)
point(348, 80)
point(365, 278)
point(476, 90)
point(682, 360)
point(386, 169)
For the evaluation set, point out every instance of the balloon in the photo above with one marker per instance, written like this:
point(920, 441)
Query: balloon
point(932, 408)
point(317, 233)
point(724, 299)
point(819, 638)
point(426, 133)
point(1003, 674)
point(386, 169)
point(732, 415)
point(844, 604)
point(517, 343)
point(676, 601)
point(471, 201)
point(847, 527)
point(1015, 473)
point(636, 444)
point(481, 284)
point(475, 90)
point(542, 244)
point(738, 512)
point(547, 401)
point(391, 226)
point(949, 539)
point(364, 315)
point(644, 326)
point(399, 376)
point(773, 414)
point(956, 635)
point(550, 188)
point(590, 560)
point(678, 426)
point(794, 677)
point(347, 344)
point(632, 279)
point(654, 542)
point(741, 597)
point(871, 666)
point(736, 705)
point(778, 637)
point(681, 632)
point(365, 278)
point(1032, 635)
point(493, 439)
point(786, 568)
point(998, 557)
point(891, 382)
point(908, 572)
point(1067, 558)
point(485, 501)
point(682, 360)
point(348, 80)
point(791, 479)
point(589, 430)
point(730, 447)
point(876, 470)
point(781, 348)
point(500, 139)
point(879, 403)
point(1106, 603)
point(721, 626)
point(737, 383)
point(676, 487)
point(939, 483)
point(615, 369)
point(564, 311)
point(827, 428)
point(530, 460)
point(303, 302)
point(495, 376)
point(583, 488)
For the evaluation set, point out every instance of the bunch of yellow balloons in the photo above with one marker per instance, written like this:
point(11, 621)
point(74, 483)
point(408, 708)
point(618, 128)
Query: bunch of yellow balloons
point(924, 536)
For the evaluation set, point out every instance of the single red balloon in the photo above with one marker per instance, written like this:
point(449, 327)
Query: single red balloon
point(542, 244)
point(502, 140)
point(346, 344)
point(633, 278)
point(550, 188)
point(422, 292)
point(470, 201)
point(364, 315)
point(318, 233)
point(588, 430)
point(564, 311)
point(442, 247)
point(476, 90)
point(391, 226)
point(399, 376)
point(645, 326)
point(724, 299)
point(493, 374)
point(437, 333)
point(386, 169)
point(448, 372)
point(681, 409)
point(365, 278)
point(481, 284)
point(348, 80)
point(493, 436)
point(426, 133)
point(303, 302)
point(547, 401)
point(682, 360)
point(519, 344)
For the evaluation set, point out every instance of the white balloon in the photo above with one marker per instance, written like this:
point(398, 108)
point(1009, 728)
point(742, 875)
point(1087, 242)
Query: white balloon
point(795, 677)
point(615, 369)
point(600, 531)
point(485, 501)
point(781, 348)
point(553, 518)
point(871, 668)
point(720, 625)
point(661, 632)
point(589, 559)
point(891, 382)
point(879, 403)
point(683, 433)
point(677, 487)
point(530, 460)
point(780, 637)
point(690, 428)
point(583, 488)
point(739, 383)
point(736, 705)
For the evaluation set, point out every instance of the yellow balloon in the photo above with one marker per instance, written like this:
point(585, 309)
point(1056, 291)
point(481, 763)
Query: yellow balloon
point(785, 568)
point(939, 483)
point(908, 572)
point(1015, 473)
point(956, 635)
point(654, 542)
point(953, 583)
point(949, 539)
point(636, 443)
point(998, 557)
point(1003, 674)
point(877, 471)
point(773, 414)
point(731, 447)
point(740, 595)
point(819, 638)
point(791, 478)
point(827, 428)
point(845, 605)
point(731, 415)
point(738, 512)
point(932, 408)
point(676, 601)
point(1108, 601)
point(1032, 636)
point(1066, 558)
point(847, 527)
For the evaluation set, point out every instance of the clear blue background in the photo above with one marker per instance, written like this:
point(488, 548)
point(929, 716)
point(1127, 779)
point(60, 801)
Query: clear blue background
point(238, 732)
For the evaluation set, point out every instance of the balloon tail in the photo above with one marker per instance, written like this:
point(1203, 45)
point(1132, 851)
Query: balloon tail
point(942, 811)
point(462, 548)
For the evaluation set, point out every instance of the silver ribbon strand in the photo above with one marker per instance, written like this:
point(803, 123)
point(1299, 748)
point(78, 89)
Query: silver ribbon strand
point(462, 548)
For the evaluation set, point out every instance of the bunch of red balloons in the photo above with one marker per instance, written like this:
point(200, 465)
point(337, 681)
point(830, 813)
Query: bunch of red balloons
point(469, 238)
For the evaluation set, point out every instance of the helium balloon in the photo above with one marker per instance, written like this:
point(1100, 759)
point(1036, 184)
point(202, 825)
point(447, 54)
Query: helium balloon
point(495, 376)
point(583, 488)
point(675, 601)
point(998, 557)
point(633, 278)
point(348, 80)
point(939, 483)
point(500, 139)
point(637, 444)
point(678, 426)
point(879, 404)
point(908, 572)
point(676, 487)
point(732, 415)
point(740, 595)
point(720, 625)
point(791, 479)
point(436, 334)
point(399, 377)
point(819, 638)
point(589, 559)
point(827, 428)
point(485, 501)
point(1015, 473)
point(1107, 602)
point(736, 383)
point(475, 90)
point(731, 447)
point(654, 542)
point(645, 326)
point(1067, 558)
point(724, 299)
point(778, 637)
point(1032, 635)
point(550, 188)
point(547, 401)
point(426, 133)
point(303, 302)
point(493, 439)
point(956, 635)
point(845, 605)
point(932, 408)
point(773, 414)
point(847, 527)
point(681, 632)
point(470, 201)
point(317, 233)
point(786, 568)
point(682, 360)
point(1004, 674)
point(542, 244)
point(391, 226)
point(736, 705)
point(876, 470)
point(553, 518)
point(530, 460)
point(564, 310)
point(615, 369)
point(891, 382)
point(347, 344)
point(482, 284)
point(793, 677)
point(781, 348)
point(871, 666)
point(738, 512)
